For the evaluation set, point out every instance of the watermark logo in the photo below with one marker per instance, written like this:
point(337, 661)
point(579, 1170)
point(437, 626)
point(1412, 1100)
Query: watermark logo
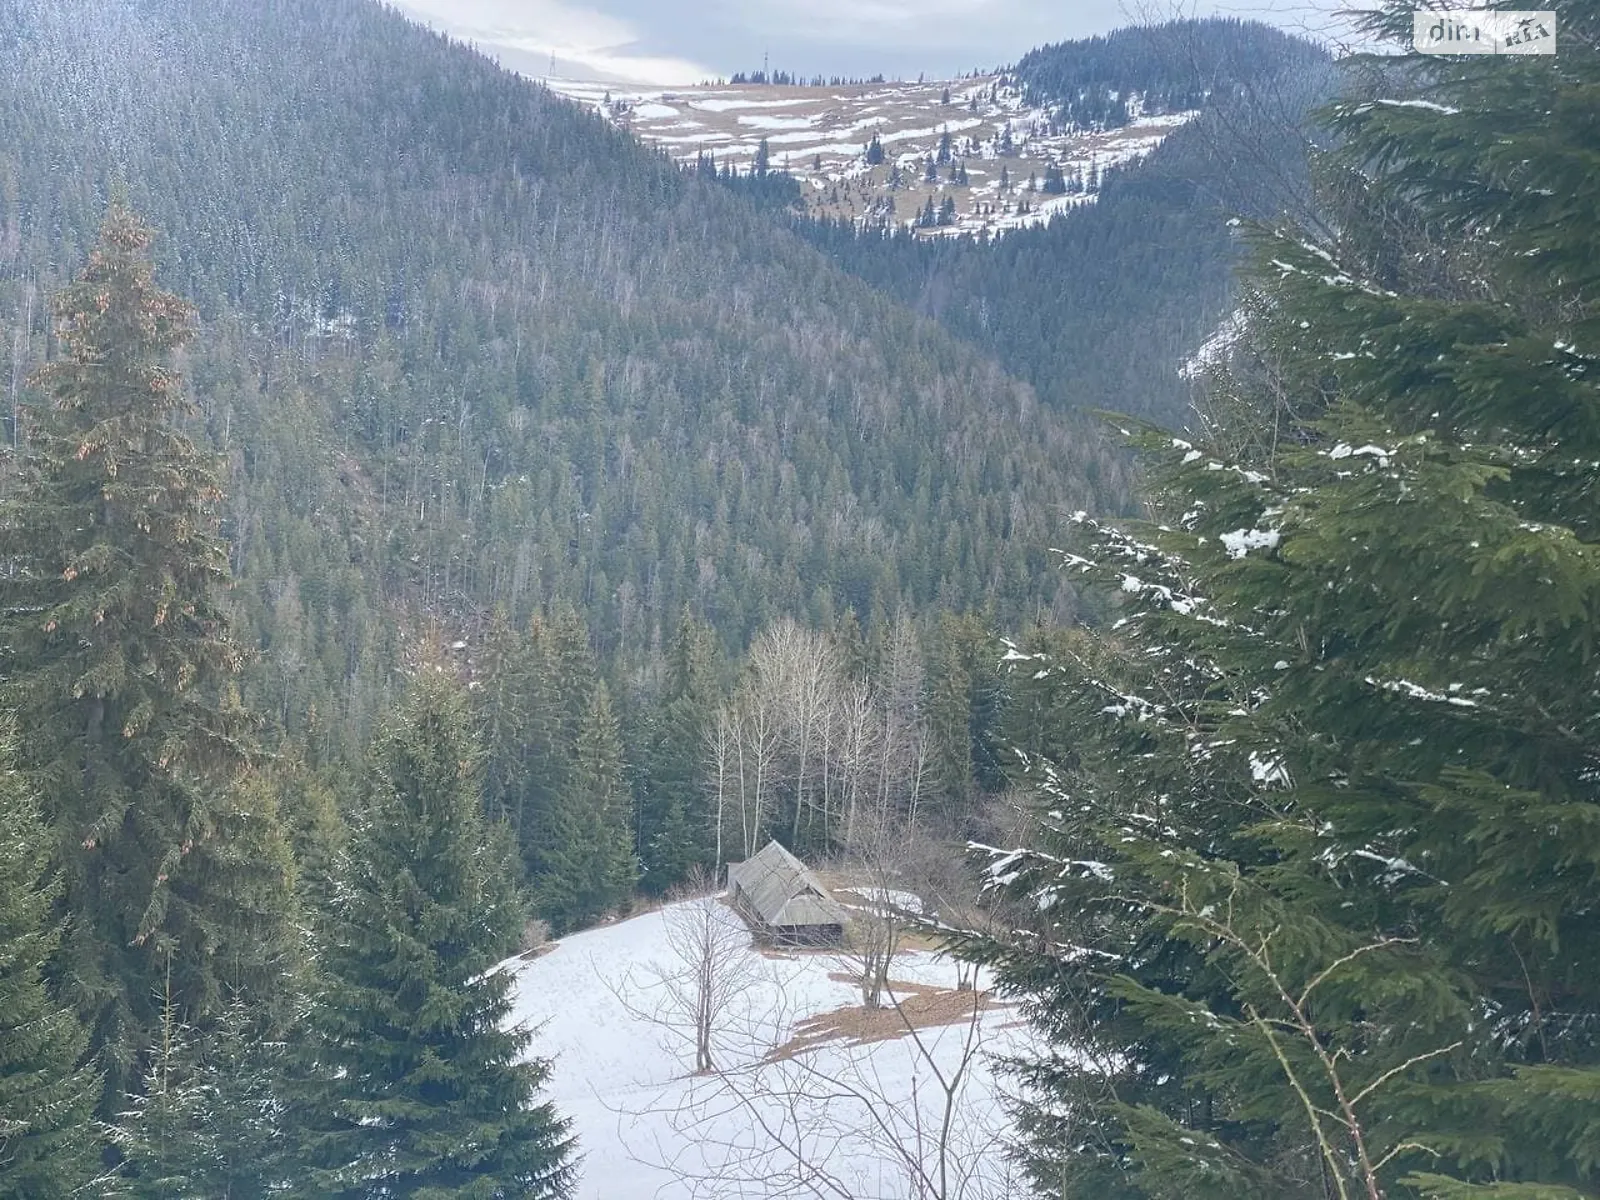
point(1483, 31)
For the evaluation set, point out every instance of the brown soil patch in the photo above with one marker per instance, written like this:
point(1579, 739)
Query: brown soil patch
point(920, 1007)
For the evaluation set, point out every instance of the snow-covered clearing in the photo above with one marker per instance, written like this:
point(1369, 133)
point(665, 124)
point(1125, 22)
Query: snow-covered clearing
point(786, 1100)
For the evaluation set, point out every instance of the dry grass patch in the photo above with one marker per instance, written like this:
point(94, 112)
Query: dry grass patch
point(920, 1006)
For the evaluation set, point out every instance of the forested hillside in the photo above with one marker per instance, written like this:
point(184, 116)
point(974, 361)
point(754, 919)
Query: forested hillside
point(1101, 308)
point(510, 524)
point(1169, 67)
point(432, 522)
point(466, 347)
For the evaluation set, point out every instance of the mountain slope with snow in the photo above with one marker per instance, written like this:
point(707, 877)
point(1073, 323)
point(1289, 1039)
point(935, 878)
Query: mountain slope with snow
point(976, 142)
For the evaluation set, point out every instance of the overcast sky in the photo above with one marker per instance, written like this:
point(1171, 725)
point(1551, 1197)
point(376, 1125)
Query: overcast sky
point(684, 41)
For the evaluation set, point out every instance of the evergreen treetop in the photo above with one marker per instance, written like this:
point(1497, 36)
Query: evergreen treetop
point(421, 1088)
point(117, 654)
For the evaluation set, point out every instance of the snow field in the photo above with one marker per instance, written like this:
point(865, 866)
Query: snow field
point(865, 1114)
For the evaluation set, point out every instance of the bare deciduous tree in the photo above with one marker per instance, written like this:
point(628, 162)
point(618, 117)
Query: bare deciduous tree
point(756, 745)
point(905, 749)
point(878, 857)
point(707, 970)
point(720, 736)
point(799, 671)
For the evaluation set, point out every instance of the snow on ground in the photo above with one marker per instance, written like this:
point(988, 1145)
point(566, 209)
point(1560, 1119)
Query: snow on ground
point(907, 901)
point(861, 1112)
point(821, 134)
point(721, 105)
point(763, 122)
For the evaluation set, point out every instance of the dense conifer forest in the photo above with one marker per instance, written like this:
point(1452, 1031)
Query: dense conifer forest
point(430, 520)
point(1307, 909)
point(1174, 66)
point(419, 370)
point(466, 348)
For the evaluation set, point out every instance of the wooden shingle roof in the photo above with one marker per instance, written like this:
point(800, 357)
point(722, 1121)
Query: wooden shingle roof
point(782, 890)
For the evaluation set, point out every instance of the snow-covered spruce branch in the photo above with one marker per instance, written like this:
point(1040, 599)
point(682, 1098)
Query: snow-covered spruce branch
point(1323, 267)
point(1127, 552)
point(1158, 578)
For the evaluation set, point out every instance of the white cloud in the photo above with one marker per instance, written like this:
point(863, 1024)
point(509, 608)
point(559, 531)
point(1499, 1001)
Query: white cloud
point(992, 32)
point(684, 41)
point(583, 41)
point(923, 21)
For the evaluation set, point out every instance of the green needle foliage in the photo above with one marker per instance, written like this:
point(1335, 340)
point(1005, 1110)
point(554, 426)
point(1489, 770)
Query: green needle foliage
point(46, 1099)
point(117, 656)
point(1314, 887)
point(209, 1120)
point(419, 1087)
point(676, 832)
point(589, 869)
point(555, 775)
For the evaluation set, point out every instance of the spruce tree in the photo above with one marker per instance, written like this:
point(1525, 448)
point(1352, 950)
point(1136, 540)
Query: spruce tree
point(555, 771)
point(209, 1118)
point(417, 1087)
point(962, 704)
point(502, 703)
point(675, 827)
point(205, 1119)
point(1326, 844)
point(555, 675)
point(48, 1140)
point(589, 867)
point(117, 654)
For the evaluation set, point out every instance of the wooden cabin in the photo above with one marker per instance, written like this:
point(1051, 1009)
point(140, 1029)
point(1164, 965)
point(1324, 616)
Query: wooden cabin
point(783, 901)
